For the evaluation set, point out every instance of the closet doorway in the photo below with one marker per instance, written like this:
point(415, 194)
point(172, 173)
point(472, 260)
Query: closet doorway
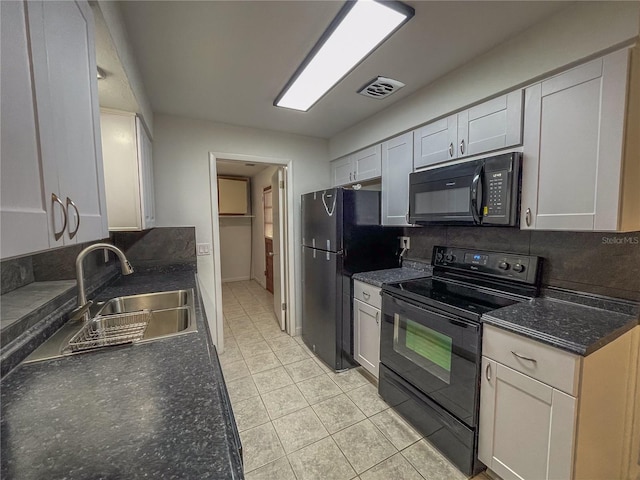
point(252, 249)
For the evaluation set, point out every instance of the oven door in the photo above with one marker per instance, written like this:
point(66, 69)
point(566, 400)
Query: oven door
point(447, 195)
point(439, 354)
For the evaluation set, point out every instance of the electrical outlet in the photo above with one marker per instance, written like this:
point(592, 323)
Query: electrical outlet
point(405, 242)
point(204, 249)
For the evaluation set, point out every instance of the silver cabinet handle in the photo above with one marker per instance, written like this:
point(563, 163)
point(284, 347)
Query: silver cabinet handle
point(350, 175)
point(366, 295)
point(487, 372)
point(451, 149)
point(57, 235)
point(70, 202)
point(354, 176)
point(377, 318)
point(532, 360)
point(527, 217)
point(462, 147)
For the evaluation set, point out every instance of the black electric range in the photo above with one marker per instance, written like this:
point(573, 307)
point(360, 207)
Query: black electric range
point(430, 342)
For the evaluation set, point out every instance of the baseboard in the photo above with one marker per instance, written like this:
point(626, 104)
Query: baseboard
point(236, 279)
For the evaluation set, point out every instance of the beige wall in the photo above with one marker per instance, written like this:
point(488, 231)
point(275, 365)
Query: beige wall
point(573, 35)
point(181, 173)
point(235, 248)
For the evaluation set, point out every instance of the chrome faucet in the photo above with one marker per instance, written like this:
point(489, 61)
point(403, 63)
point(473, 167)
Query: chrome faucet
point(82, 310)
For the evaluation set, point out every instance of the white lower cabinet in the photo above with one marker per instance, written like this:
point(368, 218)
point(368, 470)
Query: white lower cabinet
point(366, 326)
point(549, 414)
point(525, 425)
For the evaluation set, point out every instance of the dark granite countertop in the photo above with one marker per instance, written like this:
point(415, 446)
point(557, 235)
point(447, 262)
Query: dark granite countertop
point(409, 271)
point(157, 410)
point(567, 325)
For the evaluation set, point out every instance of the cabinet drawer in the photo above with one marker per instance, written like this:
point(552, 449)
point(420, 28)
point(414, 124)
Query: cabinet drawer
point(549, 365)
point(367, 293)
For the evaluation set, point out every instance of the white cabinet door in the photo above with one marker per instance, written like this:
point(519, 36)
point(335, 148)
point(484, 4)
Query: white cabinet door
point(64, 66)
point(24, 205)
point(366, 333)
point(342, 171)
point(436, 142)
point(491, 125)
point(526, 427)
point(128, 171)
point(367, 164)
point(145, 164)
point(397, 164)
point(573, 147)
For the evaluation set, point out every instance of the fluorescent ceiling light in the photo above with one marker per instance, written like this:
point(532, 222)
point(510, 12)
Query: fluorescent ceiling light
point(358, 29)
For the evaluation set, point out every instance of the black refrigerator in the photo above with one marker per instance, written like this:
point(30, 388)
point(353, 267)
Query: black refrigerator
point(341, 235)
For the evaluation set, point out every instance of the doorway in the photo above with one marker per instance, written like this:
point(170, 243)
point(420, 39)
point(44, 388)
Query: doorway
point(252, 248)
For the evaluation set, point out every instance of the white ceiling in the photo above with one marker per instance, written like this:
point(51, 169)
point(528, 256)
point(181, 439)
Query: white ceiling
point(236, 168)
point(226, 61)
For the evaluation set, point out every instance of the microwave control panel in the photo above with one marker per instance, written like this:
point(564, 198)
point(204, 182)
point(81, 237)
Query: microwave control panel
point(497, 264)
point(497, 188)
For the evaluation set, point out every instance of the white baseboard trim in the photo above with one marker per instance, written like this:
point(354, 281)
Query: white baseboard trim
point(237, 279)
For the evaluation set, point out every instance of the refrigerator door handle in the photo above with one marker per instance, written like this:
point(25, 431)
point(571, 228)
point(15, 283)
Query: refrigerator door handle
point(328, 256)
point(329, 245)
point(326, 207)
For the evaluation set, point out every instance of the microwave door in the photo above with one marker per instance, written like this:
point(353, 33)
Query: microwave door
point(444, 195)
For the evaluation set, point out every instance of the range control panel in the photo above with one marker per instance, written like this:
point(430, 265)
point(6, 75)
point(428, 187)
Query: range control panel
point(511, 266)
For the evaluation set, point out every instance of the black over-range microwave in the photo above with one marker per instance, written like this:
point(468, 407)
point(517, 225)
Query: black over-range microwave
point(477, 192)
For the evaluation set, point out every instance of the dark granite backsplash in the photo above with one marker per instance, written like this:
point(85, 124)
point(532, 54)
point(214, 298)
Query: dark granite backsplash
point(159, 246)
point(601, 263)
point(150, 248)
point(16, 273)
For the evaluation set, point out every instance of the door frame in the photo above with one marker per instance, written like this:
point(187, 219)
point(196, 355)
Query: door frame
point(288, 239)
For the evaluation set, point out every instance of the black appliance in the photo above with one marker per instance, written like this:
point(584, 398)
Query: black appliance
point(430, 342)
point(341, 235)
point(477, 192)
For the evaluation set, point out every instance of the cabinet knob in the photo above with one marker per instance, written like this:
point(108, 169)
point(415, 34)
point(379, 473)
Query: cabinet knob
point(70, 202)
point(462, 147)
point(57, 235)
point(451, 149)
point(527, 217)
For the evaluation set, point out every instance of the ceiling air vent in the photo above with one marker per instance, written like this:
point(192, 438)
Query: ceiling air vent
point(380, 87)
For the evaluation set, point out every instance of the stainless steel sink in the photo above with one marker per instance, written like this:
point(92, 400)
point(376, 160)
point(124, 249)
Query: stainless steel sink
point(172, 313)
point(147, 301)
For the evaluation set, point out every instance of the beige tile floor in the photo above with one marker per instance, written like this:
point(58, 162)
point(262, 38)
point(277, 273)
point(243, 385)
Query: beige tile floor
point(299, 420)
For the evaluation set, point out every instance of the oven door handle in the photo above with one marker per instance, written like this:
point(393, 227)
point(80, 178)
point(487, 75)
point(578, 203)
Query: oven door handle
point(476, 191)
point(408, 305)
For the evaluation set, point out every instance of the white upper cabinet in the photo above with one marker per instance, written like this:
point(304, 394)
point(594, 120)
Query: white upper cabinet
point(574, 144)
point(367, 164)
point(358, 167)
point(128, 171)
point(64, 178)
point(342, 171)
point(397, 164)
point(491, 125)
point(23, 207)
point(436, 142)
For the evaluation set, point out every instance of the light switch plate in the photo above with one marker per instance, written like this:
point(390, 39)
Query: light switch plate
point(203, 249)
point(405, 242)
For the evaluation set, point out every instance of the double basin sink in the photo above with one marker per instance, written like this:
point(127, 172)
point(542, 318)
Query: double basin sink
point(171, 313)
